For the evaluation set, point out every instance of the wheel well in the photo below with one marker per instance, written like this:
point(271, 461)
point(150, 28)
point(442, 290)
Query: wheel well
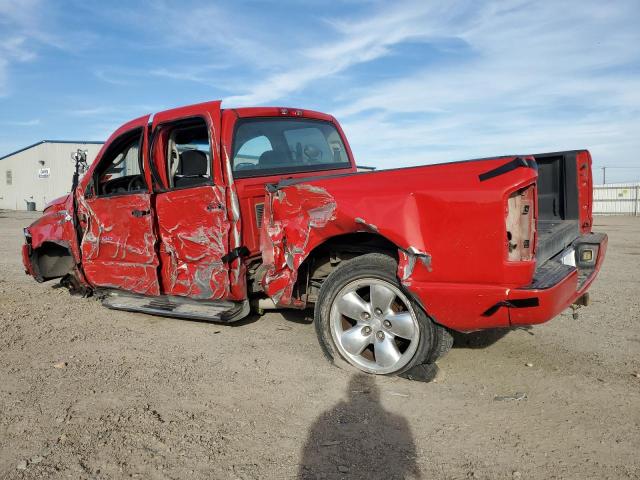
point(52, 260)
point(326, 257)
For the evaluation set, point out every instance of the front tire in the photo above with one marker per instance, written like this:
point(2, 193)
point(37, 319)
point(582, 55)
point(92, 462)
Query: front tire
point(363, 318)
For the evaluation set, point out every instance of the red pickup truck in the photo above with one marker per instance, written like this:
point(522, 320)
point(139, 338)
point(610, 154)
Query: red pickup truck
point(205, 213)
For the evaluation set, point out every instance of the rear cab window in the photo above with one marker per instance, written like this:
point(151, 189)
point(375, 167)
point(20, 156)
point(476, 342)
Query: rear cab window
point(272, 146)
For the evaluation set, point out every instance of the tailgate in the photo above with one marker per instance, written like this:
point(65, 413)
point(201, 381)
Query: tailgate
point(564, 200)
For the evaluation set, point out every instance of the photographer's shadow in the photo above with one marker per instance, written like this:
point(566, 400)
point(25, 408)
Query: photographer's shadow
point(358, 438)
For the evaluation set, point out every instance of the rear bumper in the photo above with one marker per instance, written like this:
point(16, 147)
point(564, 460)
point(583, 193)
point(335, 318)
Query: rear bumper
point(560, 294)
point(466, 307)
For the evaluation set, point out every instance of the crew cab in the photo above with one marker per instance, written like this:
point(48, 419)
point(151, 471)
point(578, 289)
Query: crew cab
point(207, 213)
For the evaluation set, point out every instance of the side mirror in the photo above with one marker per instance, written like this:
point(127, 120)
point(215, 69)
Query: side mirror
point(79, 157)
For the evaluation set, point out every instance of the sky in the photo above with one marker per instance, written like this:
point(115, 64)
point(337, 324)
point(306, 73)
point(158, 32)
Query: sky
point(411, 82)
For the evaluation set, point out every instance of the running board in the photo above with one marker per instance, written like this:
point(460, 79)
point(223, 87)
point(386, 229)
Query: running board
point(179, 307)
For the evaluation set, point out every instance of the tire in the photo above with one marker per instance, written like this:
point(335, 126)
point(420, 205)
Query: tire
point(365, 337)
point(442, 344)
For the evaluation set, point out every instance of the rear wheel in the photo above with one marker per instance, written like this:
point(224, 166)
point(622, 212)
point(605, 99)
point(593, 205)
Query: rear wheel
point(363, 318)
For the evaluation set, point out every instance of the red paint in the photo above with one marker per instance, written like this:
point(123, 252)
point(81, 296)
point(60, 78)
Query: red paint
point(194, 238)
point(466, 244)
point(118, 248)
point(448, 227)
point(57, 203)
point(585, 189)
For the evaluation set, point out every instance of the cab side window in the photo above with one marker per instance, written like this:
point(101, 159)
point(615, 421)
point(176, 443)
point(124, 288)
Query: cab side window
point(250, 152)
point(120, 169)
point(188, 155)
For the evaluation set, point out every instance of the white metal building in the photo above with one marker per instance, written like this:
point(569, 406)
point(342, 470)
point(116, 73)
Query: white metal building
point(616, 199)
point(40, 172)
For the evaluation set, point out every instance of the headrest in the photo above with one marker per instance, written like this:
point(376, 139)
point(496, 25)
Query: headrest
point(193, 162)
point(271, 158)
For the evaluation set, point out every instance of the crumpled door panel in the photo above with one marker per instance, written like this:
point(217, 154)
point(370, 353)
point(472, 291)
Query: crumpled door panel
point(118, 243)
point(194, 233)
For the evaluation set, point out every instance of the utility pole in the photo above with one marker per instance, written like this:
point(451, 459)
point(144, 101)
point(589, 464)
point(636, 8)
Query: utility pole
point(604, 175)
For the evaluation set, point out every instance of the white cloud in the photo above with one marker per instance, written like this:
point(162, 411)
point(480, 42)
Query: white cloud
point(16, 28)
point(12, 49)
point(359, 42)
point(23, 123)
point(521, 76)
point(527, 67)
point(543, 76)
point(111, 111)
point(25, 27)
point(222, 34)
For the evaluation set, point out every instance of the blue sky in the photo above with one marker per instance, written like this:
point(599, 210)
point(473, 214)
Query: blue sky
point(411, 81)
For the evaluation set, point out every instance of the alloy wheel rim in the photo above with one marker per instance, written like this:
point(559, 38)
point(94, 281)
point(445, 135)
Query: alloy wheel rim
point(374, 326)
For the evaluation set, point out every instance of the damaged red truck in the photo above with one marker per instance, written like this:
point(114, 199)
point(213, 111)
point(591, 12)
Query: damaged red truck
point(205, 213)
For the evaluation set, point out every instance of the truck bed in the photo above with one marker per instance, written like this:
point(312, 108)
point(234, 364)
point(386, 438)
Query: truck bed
point(554, 236)
point(558, 223)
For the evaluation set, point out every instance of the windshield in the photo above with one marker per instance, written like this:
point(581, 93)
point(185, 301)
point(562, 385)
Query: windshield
point(271, 146)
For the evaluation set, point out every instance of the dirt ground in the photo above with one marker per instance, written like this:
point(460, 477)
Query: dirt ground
point(148, 397)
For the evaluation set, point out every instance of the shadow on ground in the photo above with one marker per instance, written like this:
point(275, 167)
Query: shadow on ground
point(358, 438)
point(484, 338)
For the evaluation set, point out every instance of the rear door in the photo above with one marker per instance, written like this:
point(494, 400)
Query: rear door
point(190, 203)
point(116, 219)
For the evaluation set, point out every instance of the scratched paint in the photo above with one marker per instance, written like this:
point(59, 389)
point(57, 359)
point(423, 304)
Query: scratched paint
point(407, 261)
point(448, 228)
point(370, 226)
point(449, 233)
point(293, 214)
point(117, 247)
point(238, 284)
point(193, 229)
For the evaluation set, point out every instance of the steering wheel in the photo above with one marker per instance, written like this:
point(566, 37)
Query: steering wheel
point(136, 183)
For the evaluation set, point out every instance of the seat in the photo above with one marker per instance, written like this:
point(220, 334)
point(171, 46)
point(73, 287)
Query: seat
point(192, 169)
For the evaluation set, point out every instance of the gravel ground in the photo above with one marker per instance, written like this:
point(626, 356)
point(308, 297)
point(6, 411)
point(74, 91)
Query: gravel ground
point(87, 392)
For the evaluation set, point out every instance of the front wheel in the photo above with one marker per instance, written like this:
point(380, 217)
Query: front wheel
point(363, 317)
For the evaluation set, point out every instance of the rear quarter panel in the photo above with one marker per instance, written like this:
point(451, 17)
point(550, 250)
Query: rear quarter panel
point(443, 215)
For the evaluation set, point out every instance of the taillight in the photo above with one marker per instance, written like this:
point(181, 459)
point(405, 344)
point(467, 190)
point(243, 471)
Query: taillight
point(521, 225)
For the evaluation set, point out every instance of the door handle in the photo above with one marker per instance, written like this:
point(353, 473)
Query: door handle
point(140, 213)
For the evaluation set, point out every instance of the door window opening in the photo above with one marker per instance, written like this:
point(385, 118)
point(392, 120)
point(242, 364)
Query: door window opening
point(120, 169)
point(188, 155)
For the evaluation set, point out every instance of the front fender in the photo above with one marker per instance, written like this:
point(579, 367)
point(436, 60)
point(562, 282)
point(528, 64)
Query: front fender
point(55, 226)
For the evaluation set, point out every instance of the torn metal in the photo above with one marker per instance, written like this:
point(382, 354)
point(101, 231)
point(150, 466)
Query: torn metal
point(292, 215)
point(370, 226)
point(407, 262)
point(300, 216)
point(194, 229)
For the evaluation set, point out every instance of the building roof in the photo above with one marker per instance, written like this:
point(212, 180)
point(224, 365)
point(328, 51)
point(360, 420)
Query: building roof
point(91, 142)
